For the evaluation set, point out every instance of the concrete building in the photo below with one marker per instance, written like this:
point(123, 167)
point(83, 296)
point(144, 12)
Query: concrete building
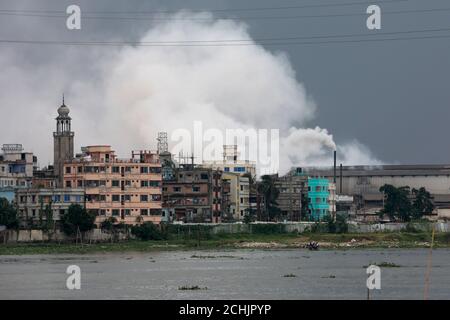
point(32, 203)
point(239, 195)
point(127, 189)
point(321, 198)
point(16, 169)
point(291, 193)
point(62, 142)
point(231, 162)
point(193, 195)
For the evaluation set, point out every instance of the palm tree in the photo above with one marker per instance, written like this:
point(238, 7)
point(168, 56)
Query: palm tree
point(267, 189)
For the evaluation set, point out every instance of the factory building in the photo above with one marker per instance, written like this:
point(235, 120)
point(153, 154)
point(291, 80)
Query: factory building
point(364, 182)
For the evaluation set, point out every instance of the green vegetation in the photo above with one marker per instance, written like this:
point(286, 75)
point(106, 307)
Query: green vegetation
point(77, 220)
point(270, 193)
point(329, 225)
point(8, 215)
point(398, 205)
point(241, 241)
point(147, 231)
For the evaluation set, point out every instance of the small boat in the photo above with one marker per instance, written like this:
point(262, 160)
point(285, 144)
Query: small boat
point(312, 245)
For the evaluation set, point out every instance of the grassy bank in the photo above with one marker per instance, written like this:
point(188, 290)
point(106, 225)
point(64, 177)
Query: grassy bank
point(240, 241)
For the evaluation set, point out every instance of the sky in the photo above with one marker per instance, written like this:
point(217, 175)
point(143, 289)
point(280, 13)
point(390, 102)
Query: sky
point(376, 102)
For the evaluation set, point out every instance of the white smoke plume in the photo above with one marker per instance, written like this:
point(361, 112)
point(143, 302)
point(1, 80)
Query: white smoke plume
point(132, 93)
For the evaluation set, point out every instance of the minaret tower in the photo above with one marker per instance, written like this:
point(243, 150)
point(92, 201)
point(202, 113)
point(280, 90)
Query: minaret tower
point(63, 142)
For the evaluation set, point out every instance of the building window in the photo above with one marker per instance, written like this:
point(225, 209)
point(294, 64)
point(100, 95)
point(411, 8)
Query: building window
point(177, 189)
point(115, 169)
point(102, 212)
point(204, 176)
point(144, 169)
point(68, 170)
point(196, 189)
point(78, 198)
point(144, 183)
point(156, 197)
point(102, 197)
point(144, 198)
point(127, 212)
point(80, 169)
point(155, 212)
point(127, 169)
point(115, 212)
point(68, 184)
point(144, 212)
point(242, 200)
point(57, 198)
point(33, 212)
point(115, 183)
point(226, 169)
point(239, 169)
point(67, 198)
point(126, 197)
point(154, 183)
point(80, 183)
point(115, 198)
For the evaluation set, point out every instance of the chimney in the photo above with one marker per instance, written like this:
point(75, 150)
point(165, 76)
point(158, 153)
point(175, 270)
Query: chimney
point(334, 168)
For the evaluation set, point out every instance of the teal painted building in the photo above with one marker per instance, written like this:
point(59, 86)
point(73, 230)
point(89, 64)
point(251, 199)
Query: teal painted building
point(318, 198)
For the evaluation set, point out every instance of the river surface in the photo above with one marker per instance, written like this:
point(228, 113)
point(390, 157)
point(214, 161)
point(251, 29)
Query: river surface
point(230, 274)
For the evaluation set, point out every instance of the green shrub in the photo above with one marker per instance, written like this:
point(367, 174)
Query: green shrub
point(147, 231)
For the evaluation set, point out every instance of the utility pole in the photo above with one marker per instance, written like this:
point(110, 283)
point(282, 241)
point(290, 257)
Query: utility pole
point(429, 265)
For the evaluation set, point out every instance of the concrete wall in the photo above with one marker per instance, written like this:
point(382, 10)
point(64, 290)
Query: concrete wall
point(13, 236)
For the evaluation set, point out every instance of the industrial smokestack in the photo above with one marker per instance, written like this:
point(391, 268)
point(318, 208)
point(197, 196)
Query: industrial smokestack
point(340, 178)
point(334, 168)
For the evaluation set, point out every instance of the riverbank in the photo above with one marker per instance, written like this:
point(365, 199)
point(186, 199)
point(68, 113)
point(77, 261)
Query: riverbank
point(240, 241)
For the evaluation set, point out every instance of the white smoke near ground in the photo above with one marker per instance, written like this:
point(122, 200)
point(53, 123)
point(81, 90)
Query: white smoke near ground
point(136, 91)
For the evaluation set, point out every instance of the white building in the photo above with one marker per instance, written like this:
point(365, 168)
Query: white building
point(231, 162)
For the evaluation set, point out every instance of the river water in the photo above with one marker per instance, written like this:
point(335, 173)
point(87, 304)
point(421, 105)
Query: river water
point(230, 274)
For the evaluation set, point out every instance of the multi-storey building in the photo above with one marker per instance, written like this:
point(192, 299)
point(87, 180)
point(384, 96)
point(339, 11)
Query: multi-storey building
point(321, 198)
point(33, 203)
point(231, 162)
point(239, 195)
point(16, 169)
point(194, 194)
point(127, 189)
point(290, 197)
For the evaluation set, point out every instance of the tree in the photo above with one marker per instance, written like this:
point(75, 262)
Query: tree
point(147, 231)
point(422, 203)
point(49, 221)
point(397, 203)
point(270, 193)
point(8, 214)
point(249, 215)
point(77, 219)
